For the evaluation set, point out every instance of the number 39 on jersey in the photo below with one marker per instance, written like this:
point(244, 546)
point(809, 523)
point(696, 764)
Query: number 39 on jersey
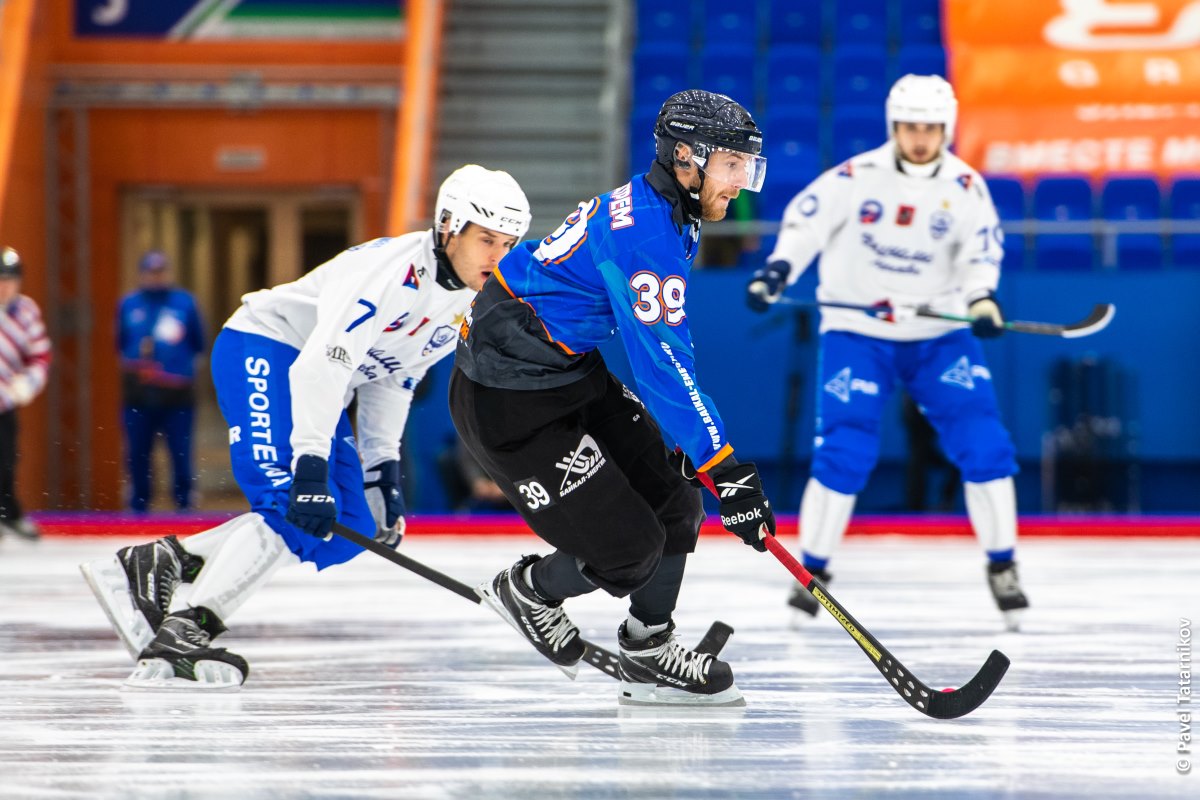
point(658, 298)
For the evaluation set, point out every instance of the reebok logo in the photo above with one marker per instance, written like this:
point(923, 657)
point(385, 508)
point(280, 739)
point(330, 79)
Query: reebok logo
point(583, 462)
point(729, 489)
point(737, 518)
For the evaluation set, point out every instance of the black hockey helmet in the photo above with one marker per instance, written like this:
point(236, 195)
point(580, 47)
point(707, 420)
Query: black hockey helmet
point(708, 122)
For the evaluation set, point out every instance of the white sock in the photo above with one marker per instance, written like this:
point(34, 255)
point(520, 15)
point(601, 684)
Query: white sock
point(248, 556)
point(992, 508)
point(640, 630)
point(824, 515)
point(205, 543)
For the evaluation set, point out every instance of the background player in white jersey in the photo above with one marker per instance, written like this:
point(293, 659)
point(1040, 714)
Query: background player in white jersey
point(367, 324)
point(911, 223)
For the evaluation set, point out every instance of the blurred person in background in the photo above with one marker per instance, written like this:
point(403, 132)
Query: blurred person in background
point(24, 367)
point(363, 327)
point(911, 223)
point(159, 335)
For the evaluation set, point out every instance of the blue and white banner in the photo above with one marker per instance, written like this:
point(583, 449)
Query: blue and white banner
point(195, 20)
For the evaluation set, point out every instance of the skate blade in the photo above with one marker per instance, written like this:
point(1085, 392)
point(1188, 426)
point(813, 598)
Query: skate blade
point(157, 675)
point(484, 590)
point(644, 694)
point(1012, 619)
point(108, 583)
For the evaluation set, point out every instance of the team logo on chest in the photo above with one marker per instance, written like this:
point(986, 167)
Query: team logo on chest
point(583, 462)
point(905, 214)
point(870, 212)
point(940, 223)
point(442, 335)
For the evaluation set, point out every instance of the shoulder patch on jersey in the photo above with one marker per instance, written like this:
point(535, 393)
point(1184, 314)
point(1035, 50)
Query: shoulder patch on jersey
point(808, 205)
point(620, 207)
point(411, 280)
point(965, 180)
point(846, 170)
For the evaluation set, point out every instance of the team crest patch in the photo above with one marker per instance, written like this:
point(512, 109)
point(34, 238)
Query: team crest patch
point(904, 215)
point(940, 223)
point(411, 280)
point(870, 212)
point(582, 463)
point(845, 171)
point(442, 335)
point(964, 180)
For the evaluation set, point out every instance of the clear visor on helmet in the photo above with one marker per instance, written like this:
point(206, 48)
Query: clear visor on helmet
point(739, 170)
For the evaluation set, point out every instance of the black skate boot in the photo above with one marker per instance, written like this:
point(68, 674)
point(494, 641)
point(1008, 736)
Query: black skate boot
point(135, 587)
point(181, 658)
point(659, 671)
point(542, 622)
point(1006, 588)
point(802, 599)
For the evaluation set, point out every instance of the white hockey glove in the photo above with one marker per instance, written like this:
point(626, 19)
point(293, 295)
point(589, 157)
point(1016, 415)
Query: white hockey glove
point(987, 321)
point(21, 390)
point(382, 485)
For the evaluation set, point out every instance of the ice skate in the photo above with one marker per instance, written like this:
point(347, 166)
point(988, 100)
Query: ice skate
point(802, 599)
point(135, 587)
point(544, 624)
point(1006, 588)
point(180, 657)
point(659, 671)
point(23, 528)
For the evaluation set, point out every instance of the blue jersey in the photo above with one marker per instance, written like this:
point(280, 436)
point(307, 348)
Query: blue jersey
point(619, 264)
point(159, 335)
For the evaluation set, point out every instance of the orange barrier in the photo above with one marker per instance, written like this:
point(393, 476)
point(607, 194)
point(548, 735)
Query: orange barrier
point(16, 22)
point(1085, 86)
point(416, 119)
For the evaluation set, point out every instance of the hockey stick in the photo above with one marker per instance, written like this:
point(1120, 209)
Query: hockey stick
point(948, 704)
point(1096, 321)
point(596, 656)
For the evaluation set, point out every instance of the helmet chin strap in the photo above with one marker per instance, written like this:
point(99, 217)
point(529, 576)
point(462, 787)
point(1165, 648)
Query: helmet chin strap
point(446, 278)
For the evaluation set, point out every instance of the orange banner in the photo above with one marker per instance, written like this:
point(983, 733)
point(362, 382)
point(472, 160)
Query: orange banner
point(1092, 86)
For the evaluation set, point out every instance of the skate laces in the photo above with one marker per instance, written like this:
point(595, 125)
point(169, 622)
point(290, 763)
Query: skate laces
point(677, 659)
point(554, 624)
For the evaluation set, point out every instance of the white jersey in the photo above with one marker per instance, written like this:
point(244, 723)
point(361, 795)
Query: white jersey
point(368, 322)
point(885, 235)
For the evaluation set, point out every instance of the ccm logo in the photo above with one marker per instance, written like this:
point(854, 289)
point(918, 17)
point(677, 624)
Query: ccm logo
point(313, 498)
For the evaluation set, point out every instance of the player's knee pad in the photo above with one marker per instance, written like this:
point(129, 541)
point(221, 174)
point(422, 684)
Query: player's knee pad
point(844, 458)
point(621, 580)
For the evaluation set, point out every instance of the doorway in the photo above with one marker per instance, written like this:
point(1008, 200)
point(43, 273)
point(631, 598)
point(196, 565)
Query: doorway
point(222, 245)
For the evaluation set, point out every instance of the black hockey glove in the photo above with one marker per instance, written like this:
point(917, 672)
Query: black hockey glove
point(767, 285)
point(311, 507)
point(680, 462)
point(986, 320)
point(744, 507)
point(382, 485)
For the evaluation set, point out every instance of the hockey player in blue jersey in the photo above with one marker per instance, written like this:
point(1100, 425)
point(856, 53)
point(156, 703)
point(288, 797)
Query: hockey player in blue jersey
point(574, 450)
point(912, 223)
point(365, 326)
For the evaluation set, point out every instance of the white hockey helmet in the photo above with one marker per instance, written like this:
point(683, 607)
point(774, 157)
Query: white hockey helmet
point(490, 198)
point(922, 98)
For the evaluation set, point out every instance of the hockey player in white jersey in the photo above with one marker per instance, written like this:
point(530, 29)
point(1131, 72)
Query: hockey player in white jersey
point(367, 324)
point(910, 223)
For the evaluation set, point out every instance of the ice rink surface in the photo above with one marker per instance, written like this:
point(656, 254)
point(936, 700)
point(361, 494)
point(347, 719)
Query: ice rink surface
point(368, 681)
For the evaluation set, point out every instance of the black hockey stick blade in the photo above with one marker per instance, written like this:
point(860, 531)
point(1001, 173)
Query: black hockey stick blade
point(1094, 322)
point(939, 705)
point(714, 641)
point(593, 654)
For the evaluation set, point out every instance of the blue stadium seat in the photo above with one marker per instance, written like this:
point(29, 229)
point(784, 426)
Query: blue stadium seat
point(641, 137)
point(859, 75)
point(796, 23)
point(921, 59)
point(793, 76)
point(861, 22)
point(1065, 199)
point(729, 69)
point(801, 123)
point(793, 156)
point(857, 129)
point(1134, 199)
point(1185, 207)
point(659, 70)
point(1008, 195)
point(731, 26)
point(920, 21)
point(666, 21)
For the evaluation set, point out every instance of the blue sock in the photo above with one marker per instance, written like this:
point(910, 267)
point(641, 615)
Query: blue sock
point(996, 556)
point(811, 562)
